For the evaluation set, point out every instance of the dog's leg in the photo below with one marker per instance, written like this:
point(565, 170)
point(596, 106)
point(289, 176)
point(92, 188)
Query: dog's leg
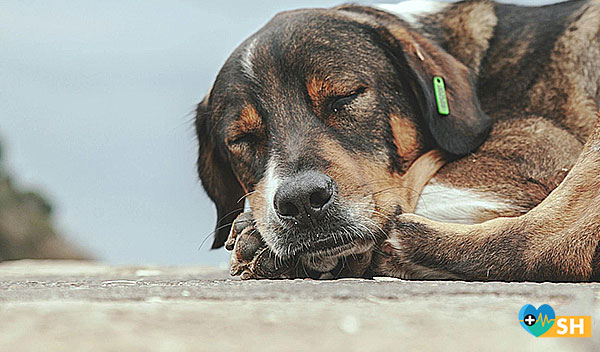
point(555, 241)
point(512, 172)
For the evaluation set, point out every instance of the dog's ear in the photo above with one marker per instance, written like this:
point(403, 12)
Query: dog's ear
point(217, 177)
point(465, 126)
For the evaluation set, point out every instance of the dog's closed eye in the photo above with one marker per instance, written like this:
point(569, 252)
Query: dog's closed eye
point(243, 143)
point(245, 138)
point(340, 101)
point(246, 131)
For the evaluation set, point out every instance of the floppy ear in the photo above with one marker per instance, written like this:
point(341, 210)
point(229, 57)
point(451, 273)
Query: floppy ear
point(217, 177)
point(465, 126)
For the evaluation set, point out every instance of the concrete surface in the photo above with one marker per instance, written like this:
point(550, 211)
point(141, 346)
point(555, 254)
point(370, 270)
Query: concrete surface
point(70, 306)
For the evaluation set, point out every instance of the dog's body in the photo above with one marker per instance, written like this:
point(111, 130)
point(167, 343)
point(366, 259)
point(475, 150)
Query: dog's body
point(539, 82)
point(525, 80)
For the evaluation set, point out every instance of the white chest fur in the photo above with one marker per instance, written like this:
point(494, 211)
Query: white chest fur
point(464, 206)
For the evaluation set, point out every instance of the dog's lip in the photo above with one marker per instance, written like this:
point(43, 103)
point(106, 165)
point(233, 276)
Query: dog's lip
point(328, 242)
point(328, 251)
point(330, 246)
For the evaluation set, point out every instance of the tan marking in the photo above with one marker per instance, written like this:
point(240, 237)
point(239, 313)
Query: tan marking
point(405, 136)
point(248, 122)
point(249, 119)
point(316, 89)
point(419, 54)
point(419, 174)
point(360, 178)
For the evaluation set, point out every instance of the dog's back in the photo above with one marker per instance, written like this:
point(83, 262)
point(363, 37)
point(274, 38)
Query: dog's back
point(544, 61)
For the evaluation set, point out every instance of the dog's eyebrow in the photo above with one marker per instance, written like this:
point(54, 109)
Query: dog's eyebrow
point(248, 120)
point(317, 88)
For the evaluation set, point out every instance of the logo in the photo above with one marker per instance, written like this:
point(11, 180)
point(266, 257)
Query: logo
point(543, 322)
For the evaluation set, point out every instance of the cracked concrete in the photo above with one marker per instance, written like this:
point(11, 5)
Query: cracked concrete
point(57, 306)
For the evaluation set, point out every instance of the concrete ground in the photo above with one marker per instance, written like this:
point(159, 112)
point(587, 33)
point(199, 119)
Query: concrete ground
point(71, 306)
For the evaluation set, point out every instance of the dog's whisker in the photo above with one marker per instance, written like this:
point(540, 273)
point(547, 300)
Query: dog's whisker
point(212, 233)
point(231, 212)
point(203, 241)
point(246, 196)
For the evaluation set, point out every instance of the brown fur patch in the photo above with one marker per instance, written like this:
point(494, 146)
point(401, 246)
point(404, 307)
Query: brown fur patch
point(317, 89)
point(419, 174)
point(361, 179)
point(519, 162)
point(250, 120)
point(406, 137)
point(364, 184)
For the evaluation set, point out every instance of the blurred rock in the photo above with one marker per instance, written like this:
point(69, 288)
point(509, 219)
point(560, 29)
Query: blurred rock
point(26, 228)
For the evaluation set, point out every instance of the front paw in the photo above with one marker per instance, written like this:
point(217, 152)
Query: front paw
point(401, 254)
point(251, 258)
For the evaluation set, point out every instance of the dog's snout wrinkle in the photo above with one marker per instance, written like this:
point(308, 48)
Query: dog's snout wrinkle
point(304, 198)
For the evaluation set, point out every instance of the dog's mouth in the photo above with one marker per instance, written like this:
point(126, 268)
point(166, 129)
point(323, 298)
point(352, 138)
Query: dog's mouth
point(331, 242)
point(326, 255)
point(331, 245)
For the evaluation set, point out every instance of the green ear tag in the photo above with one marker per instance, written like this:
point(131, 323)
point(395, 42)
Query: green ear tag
point(440, 95)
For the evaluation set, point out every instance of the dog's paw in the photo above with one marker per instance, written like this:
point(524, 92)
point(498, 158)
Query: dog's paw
point(398, 255)
point(251, 258)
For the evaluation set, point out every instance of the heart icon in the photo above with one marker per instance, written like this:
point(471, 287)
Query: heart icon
point(537, 321)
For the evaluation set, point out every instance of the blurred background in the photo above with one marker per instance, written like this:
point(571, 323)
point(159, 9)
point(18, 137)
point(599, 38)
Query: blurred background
point(98, 147)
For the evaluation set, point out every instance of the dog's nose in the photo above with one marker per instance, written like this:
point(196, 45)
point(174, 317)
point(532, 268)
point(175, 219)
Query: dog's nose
point(304, 197)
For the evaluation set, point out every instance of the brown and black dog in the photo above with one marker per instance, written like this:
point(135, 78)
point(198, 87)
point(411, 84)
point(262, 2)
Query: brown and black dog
point(325, 122)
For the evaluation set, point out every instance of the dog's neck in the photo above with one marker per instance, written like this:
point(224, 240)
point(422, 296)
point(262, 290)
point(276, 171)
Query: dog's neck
point(418, 175)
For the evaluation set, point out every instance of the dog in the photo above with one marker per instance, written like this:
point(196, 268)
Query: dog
point(420, 140)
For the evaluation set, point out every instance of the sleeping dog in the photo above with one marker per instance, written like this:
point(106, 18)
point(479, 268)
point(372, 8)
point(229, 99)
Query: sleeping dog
point(421, 140)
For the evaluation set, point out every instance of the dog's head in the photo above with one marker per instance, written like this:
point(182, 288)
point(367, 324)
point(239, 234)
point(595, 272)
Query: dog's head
point(319, 118)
